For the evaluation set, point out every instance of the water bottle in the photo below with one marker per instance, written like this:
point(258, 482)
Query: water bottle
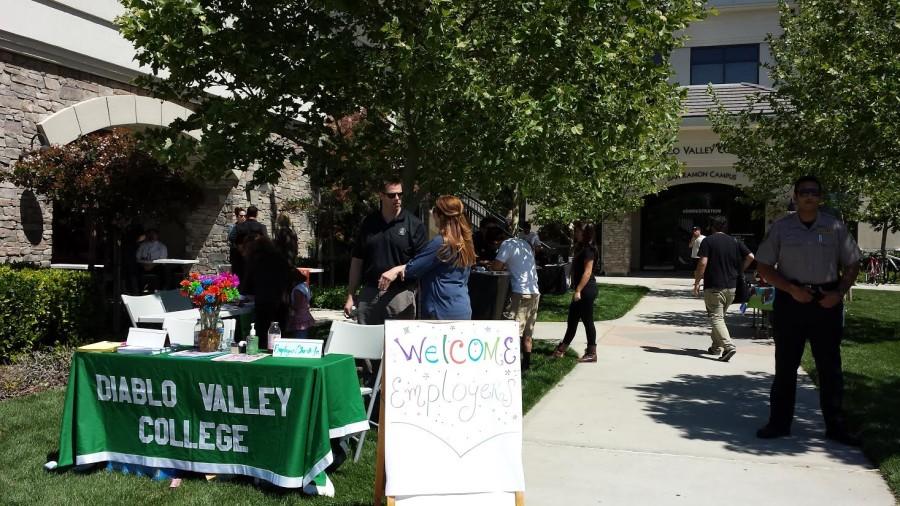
point(274, 333)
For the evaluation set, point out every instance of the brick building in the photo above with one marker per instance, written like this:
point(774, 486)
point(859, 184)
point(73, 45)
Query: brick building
point(69, 75)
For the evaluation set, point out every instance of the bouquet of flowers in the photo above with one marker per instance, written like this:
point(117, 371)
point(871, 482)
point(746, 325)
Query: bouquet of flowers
point(210, 291)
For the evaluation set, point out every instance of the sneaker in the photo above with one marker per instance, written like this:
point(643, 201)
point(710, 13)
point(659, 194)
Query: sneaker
point(727, 355)
point(714, 350)
point(770, 432)
point(843, 437)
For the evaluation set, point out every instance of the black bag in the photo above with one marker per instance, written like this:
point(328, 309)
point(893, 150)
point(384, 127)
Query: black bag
point(742, 289)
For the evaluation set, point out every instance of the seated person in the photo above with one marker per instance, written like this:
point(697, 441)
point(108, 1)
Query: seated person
point(151, 249)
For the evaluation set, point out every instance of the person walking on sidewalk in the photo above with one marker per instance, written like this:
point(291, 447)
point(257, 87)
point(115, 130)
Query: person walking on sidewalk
point(582, 305)
point(812, 261)
point(517, 255)
point(695, 242)
point(721, 261)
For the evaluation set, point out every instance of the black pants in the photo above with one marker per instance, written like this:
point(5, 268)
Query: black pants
point(582, 310)
point(794, 324)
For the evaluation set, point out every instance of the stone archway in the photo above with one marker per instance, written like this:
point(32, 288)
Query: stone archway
point(98, 113)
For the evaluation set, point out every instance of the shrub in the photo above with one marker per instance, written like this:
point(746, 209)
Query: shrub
point(329, 298)
point(43, 307)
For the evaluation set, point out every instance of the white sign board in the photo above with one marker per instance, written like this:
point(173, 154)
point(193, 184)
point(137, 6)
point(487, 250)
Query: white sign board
point(453, 407)
point(297, 348)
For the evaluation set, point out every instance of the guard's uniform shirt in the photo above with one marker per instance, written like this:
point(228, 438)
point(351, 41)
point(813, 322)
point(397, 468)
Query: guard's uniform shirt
point(810, 255)
point(384, 245)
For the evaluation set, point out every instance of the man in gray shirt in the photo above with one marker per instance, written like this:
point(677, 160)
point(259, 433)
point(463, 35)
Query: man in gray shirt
point(812, 261)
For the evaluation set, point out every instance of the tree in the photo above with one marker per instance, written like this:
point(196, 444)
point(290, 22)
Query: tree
point(834, 111)
point(108, 178)
point(536, 97)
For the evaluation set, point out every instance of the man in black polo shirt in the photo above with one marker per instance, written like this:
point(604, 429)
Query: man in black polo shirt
point(721, 257)
point(386, 239)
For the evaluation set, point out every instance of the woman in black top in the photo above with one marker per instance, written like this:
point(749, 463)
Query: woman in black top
point(582, 305)
point(285, 238)
point(267, 277)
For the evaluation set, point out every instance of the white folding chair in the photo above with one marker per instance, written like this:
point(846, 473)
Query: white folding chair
point(180, 331)
point(172, 300)
point(141, 305)
point(363, 342)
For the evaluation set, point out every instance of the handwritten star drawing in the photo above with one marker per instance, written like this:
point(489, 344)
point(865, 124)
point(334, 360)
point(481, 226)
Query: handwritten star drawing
point(425, 376)
point(406, 330)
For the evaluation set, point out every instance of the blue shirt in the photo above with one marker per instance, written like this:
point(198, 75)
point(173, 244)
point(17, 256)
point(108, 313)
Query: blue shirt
point(444, 286)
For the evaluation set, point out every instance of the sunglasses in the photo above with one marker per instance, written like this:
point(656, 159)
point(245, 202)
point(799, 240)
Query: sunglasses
point(809, 192)
point(393, 195)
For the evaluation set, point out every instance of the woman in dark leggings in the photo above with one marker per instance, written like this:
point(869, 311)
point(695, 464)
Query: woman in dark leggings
point(582, 306)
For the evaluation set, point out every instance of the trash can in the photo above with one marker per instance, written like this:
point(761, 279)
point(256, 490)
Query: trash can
point(553, 279)
point(487, 293)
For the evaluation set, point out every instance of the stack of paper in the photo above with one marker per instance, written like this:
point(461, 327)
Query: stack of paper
point(140, 350)
point(101, 347)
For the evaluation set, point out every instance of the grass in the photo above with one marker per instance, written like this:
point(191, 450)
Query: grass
point(871, 360)
point(612, 302)
point(29, 432)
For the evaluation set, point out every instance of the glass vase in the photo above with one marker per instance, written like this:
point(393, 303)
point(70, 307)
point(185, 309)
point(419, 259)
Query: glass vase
point(209, 331)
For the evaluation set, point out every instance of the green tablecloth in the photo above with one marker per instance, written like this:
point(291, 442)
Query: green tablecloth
point(271, 419)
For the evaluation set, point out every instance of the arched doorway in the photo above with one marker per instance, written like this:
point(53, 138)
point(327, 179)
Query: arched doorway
point(667, 219)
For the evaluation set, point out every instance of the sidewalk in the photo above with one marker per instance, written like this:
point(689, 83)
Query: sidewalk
point(656, 421)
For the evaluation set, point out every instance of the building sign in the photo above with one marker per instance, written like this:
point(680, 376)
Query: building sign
point(703, 175)
point(697, 149)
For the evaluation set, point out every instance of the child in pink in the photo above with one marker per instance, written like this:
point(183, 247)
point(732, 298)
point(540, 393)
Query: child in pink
point(300, 320)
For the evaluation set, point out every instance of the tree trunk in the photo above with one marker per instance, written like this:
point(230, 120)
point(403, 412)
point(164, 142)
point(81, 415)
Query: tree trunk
point(413, 157)
point(884, 258)
point(117, 277)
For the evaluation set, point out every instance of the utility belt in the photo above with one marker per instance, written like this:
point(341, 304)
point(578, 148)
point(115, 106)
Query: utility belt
point(818, 289)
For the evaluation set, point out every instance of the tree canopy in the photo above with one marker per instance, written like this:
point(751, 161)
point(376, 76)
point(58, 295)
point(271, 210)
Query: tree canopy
point(564, 103)
point(107, 176)
point(835, 108)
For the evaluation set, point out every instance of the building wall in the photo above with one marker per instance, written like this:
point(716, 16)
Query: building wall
point(615, 246)
point(30, 91)
point(736, 23)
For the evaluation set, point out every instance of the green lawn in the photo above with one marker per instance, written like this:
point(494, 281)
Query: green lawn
point(871, 358)
point(612, 302)
point(29, 432)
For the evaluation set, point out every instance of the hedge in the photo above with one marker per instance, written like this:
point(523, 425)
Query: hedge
point(329, 298)
point(45, 307)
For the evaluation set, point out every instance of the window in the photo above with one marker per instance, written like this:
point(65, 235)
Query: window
point(725, 64)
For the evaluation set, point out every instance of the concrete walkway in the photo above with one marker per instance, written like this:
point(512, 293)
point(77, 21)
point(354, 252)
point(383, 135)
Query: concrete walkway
point(656, 421)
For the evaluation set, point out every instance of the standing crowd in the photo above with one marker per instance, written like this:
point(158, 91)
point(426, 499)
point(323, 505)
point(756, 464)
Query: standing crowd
point(397, 273)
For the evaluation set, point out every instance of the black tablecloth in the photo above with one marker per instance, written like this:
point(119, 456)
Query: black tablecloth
point(553, 279)
point(488, 292)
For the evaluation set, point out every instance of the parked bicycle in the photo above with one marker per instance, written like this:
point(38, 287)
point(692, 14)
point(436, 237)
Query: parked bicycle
point(878, 270)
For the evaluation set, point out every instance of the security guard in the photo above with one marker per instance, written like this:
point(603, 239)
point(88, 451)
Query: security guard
point(812, 261)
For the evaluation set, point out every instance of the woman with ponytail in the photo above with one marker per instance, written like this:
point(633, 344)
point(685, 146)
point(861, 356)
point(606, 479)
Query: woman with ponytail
point(443, 266)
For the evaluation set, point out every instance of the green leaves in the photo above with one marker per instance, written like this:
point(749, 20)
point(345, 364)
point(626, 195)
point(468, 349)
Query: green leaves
point(834, 110)
point(489, 96)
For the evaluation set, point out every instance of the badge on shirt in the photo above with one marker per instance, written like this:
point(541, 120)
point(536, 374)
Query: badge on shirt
point(402, 231)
